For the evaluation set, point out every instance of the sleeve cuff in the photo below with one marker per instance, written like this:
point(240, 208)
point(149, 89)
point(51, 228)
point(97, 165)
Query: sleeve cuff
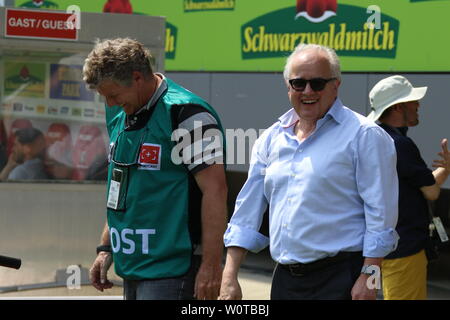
point(237, 236)
point(380, 244)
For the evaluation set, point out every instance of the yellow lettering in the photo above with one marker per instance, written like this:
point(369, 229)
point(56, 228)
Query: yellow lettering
point(294, 39)
point(284, 42)
point(69, 74)
point(332, 30)
point(248, 39)
point(209, 5)
point(261, 38)
point(170, 41)
point(376, 40)
point(71, 90)
point(340, 38)
point(312, 37)
point(388, 37)
point(337, 38)
point(364, 36)
point(323, 40)
point(353, 40)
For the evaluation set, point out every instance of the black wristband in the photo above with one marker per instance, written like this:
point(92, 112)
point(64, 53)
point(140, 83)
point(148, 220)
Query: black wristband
point(105, 248)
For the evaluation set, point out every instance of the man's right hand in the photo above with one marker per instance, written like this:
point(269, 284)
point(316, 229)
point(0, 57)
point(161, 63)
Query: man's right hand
point(230, 289)
point(99, 270)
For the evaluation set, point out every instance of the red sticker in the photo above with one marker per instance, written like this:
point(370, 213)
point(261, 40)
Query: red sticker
point(150, 156)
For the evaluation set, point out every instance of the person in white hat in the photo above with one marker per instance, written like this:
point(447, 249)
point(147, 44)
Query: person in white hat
point(395, 103)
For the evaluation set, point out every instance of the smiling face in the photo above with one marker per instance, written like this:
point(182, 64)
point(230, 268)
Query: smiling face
point(119, 95)
point(312, 105)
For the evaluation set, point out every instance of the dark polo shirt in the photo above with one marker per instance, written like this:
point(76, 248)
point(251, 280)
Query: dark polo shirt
point(413, 173)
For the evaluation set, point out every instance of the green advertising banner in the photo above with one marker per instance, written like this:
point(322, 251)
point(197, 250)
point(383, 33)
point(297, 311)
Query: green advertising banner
point(252, 36)
point(24, 79)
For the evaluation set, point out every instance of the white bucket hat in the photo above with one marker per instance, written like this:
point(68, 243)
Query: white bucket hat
point(390, 91)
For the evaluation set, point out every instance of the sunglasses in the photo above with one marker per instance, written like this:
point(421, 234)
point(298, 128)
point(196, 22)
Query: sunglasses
point(317, 84)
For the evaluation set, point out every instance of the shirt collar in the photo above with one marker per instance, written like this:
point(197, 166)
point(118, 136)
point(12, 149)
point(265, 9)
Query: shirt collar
point(158, 92)
point(336, 112)
point(399, 130)
point(289, 118)
point(140, 117)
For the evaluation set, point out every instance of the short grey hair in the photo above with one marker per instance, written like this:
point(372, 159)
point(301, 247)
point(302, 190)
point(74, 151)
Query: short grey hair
point(116, 60)
point(302, 47)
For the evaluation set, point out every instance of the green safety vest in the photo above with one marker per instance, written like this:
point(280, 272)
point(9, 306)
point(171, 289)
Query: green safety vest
point(149, 230)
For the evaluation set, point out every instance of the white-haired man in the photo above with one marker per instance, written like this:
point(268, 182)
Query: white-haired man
point(332, 204)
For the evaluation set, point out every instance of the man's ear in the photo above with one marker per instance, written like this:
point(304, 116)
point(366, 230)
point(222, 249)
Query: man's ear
point(137, 76)
point(337, 83)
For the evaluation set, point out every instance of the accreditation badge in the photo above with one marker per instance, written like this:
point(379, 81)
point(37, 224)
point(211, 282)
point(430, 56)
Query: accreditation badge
point(114, 189)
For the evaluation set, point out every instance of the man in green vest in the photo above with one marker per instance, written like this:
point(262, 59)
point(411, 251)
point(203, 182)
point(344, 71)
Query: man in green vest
point(166, 200)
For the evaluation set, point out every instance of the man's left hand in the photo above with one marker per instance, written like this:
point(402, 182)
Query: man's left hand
point(444, 162)
point(361, 291)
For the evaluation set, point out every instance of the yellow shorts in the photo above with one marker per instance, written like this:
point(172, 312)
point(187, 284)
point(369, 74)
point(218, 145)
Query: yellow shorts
point(405, 278)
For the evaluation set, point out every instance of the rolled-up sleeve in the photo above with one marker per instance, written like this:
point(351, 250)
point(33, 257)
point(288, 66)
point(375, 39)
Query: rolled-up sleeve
point(237, 236)
point(377, 182)
point(251, 204)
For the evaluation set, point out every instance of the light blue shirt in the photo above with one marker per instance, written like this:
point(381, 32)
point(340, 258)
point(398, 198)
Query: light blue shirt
point(335, 191)
point(29, 170)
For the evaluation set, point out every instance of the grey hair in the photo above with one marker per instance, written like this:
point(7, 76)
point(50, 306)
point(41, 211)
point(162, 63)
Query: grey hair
point(302, 47)
point(116, 60)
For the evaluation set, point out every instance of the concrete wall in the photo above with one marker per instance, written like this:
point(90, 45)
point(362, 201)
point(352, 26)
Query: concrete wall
point(50, 226)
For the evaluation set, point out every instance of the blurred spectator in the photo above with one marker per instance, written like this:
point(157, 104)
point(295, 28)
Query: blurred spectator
point(26, 159)
point(16, 125)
